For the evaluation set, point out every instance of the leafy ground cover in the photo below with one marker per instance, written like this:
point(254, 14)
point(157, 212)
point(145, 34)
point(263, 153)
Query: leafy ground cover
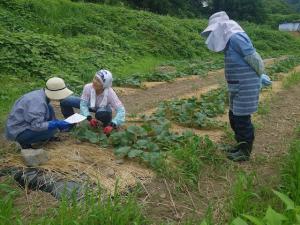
point(193, 112)
point(154, 144)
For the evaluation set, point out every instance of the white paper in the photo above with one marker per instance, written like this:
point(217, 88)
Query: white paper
point(75, 118)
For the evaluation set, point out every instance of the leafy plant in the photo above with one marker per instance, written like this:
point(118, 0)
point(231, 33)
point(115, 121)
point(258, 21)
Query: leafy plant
point(193, 112)
point(94, 136)
point(283, 66)
point(291, 215)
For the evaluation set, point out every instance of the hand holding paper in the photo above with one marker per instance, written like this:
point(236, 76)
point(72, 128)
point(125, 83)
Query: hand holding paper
point(75, 118)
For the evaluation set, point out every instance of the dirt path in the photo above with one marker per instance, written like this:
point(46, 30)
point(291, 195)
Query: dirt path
point(143, 100)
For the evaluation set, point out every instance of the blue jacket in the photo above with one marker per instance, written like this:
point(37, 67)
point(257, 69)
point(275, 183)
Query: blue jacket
point(242, 80)
point(31, 112)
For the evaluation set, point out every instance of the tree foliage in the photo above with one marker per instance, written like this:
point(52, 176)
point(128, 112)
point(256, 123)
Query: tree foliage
point(251, 10)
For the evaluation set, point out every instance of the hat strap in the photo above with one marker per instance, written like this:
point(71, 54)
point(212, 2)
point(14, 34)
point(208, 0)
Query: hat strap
point(56, 89)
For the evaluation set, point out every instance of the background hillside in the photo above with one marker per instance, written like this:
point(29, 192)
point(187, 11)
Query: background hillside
point(39, 39)
point(294, 4)
point(254, 10)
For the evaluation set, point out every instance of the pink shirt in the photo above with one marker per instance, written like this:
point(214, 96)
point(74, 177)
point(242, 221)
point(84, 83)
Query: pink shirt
point(112, 98)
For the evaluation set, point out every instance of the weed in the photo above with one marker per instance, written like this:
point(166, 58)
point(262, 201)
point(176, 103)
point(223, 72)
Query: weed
point(291, 214)
point(291, 172)
point(264, 107)
point(184, 162)
point(7, 211)
point(242, 193)
point(291, 80)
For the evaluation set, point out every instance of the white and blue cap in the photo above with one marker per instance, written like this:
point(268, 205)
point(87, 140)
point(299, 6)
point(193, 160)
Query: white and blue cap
point(105, 77)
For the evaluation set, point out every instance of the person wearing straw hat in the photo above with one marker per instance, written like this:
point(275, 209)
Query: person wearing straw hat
point(244, 73)
point(32, 118)
point(100, 98)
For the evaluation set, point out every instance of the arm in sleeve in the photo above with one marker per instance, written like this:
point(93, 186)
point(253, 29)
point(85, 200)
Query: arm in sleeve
point(120, 116)
point(84, 101)
point(117, 105)
point(242, 44)
point(36, 117)
point(256, 62)
point(84, 108)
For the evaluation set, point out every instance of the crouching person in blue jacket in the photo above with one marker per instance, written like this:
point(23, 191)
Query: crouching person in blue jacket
point(244, 73)
point(32, 118)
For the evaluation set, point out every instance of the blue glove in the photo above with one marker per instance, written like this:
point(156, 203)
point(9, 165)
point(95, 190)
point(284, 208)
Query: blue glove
point(265, 81)
point(60, 124)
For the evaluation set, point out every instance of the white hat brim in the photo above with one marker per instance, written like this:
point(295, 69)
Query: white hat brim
point(209, 29)
point(58, 95)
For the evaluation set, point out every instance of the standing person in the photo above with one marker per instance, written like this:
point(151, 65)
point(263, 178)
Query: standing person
point(243, 70)
point(32, 118)
point(100, 98)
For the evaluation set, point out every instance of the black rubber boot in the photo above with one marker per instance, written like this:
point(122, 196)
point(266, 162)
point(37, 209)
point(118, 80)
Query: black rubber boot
point(234, 149)
point(243, 154)
point(25, 146)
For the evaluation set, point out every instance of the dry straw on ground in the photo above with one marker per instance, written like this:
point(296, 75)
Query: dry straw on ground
point(87, 162)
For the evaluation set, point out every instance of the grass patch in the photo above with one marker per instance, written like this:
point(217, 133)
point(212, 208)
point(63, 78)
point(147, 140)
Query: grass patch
point(94, 208)
point(291, 80)
point(291, 172)
point(185, 162)
point(264, 107)
point(143, 65)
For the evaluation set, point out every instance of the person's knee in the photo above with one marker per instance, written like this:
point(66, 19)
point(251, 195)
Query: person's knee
point(65, 102)
point(71, 101)
point(104, 116)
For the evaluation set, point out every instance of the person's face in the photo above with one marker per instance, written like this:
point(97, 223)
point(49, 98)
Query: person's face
point(97, 85)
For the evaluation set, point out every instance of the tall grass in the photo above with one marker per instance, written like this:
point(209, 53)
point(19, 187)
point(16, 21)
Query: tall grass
point(185, 162)
point(8, 213)
point(291, 80)
point(94, 208)
point(291, 172)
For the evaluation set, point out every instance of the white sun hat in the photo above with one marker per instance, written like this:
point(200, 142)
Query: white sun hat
point(219, 31)
point(56, 89)
point(213, 22)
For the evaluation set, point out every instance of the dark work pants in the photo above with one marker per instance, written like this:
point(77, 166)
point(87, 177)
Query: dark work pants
point(242, 127)
point(68, 104)
point(28, 137)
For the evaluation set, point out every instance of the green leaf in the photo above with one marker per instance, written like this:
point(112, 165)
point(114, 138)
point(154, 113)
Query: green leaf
point(254, 220)
point(238, 221)
point(135, 153)
point(142, 143)
point(152, 147)
point(122, 152)
point(204, 222)
point(290, 205)
point(138, 131)
point(274, 218)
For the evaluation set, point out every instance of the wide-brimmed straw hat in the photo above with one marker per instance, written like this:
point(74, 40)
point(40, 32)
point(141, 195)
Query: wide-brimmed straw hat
point(56, 89)
point(213, 22)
